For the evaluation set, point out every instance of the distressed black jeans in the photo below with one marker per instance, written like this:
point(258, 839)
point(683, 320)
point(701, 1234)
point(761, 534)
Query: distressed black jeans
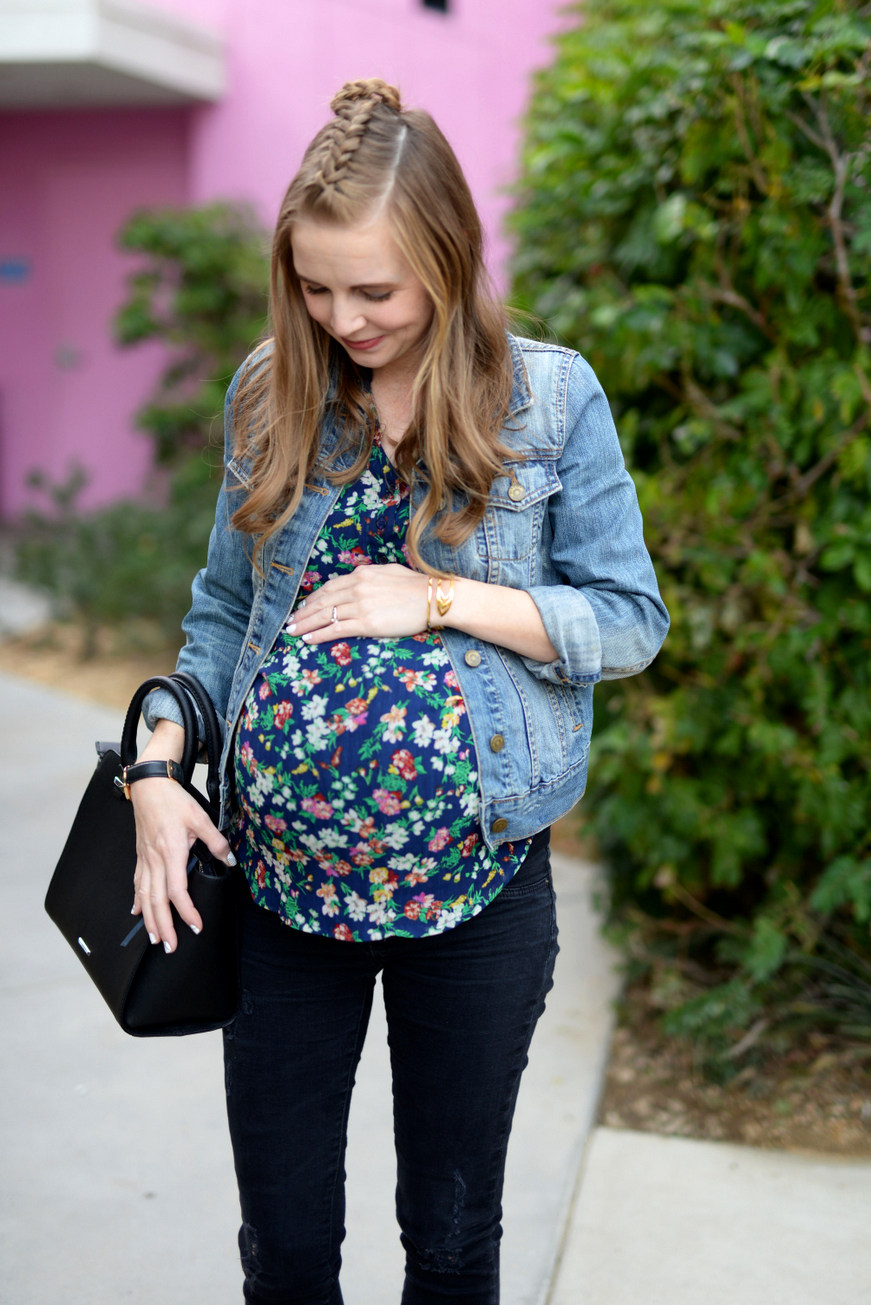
point(461, 1009)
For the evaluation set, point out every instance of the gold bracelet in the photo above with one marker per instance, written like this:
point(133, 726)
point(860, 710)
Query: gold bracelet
point(443, 604)
point(430, 581)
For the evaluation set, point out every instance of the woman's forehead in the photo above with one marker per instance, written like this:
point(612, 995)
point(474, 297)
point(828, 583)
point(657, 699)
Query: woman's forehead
point(366, 250)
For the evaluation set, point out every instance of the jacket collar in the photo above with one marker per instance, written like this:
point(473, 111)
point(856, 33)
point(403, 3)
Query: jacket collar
point(521, 397)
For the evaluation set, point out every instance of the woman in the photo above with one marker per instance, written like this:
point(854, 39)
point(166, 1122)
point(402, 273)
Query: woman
point(426, 552)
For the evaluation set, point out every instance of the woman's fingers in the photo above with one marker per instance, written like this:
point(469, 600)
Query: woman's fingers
point(383, 601)
point(168, 823)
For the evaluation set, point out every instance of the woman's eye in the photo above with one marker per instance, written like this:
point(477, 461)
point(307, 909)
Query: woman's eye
point(313, 290)
point(377, 299)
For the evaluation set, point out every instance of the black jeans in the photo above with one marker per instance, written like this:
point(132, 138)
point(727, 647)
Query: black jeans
point(461, 1009)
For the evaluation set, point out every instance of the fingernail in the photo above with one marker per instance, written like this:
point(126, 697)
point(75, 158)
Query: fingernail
point(291, 627)
point(133, 909)
point(167, 948)
point(194, 929)
point(152, 937)
point(231, 860)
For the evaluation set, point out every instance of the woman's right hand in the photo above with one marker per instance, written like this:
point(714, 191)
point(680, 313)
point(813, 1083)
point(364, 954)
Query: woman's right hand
point(168, 823)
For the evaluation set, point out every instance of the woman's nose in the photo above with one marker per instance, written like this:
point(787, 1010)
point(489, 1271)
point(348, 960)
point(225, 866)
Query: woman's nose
point(346, 317)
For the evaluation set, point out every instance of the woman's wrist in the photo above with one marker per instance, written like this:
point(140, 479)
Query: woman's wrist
point(166, 743)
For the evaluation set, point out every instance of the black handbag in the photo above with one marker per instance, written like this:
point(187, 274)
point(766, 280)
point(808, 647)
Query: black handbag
point(151, 993)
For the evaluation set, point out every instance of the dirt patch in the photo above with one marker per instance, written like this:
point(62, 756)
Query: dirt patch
point(816, 1095)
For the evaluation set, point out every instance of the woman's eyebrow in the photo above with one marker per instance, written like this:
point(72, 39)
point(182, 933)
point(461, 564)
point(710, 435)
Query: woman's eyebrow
point(367, 285)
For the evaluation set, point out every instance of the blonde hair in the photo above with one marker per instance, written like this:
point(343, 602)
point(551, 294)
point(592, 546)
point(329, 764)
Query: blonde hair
point(375, 154)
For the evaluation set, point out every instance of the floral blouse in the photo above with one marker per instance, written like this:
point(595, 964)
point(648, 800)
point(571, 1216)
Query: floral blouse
point(355, 764)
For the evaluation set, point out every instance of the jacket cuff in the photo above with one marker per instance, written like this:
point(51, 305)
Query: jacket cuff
point(572, 628)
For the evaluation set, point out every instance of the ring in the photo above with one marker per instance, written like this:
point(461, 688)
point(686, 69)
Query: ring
point(335, 616)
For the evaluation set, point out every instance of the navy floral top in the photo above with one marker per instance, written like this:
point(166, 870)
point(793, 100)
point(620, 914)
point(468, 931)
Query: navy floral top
point(355, 765)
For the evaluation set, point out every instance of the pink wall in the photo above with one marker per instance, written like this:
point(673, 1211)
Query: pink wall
point(67, 392)
point(68, 181)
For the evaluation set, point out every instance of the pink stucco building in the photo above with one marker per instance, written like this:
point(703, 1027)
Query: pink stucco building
point(109, 105)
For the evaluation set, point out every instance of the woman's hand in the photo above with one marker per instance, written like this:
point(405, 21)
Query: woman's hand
point(384, 602)
point(168, 822)
point(390, 602)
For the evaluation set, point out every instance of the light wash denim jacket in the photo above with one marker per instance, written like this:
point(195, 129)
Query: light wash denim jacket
point(563, 523)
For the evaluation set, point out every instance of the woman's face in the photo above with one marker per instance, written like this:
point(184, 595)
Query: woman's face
point(361, 290)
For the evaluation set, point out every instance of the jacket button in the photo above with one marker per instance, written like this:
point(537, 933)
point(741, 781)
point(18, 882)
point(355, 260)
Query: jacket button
point(497, 743)
point(472, 658)
point(516, 492)
point(499, 826)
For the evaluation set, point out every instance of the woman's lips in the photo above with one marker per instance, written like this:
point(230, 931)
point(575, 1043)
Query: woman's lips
point(362, 344)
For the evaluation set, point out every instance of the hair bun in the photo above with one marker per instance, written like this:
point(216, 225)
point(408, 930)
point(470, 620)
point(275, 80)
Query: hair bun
point(369, 88)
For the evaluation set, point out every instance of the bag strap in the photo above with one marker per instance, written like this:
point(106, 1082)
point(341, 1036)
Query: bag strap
point(211, 731)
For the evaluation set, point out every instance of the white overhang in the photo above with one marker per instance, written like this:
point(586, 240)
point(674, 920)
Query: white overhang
point(92, 53)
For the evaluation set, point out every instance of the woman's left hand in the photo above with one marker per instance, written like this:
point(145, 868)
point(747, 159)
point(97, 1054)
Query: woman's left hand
point(384, 602)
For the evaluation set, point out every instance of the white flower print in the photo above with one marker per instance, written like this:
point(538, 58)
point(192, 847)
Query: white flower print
point(422, 731)
point(315, 707)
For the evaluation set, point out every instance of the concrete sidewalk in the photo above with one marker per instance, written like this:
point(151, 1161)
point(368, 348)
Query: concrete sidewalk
point(117, 1177)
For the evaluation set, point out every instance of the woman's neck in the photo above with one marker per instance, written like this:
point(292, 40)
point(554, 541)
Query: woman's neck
point(395, 409)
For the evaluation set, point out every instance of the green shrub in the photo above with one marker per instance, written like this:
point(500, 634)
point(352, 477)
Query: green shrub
point(202, 293)
point(695, 217)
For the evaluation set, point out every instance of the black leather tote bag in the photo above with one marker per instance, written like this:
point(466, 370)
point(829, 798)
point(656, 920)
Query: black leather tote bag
point(151, 993)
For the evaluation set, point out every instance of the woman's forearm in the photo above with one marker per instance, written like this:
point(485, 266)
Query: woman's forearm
point(495, 614)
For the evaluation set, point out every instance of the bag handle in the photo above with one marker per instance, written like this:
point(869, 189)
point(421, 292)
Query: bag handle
point(211, 731)
point(189, 722)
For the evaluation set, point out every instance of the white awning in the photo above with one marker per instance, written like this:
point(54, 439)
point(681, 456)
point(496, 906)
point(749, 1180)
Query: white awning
point(90, 53)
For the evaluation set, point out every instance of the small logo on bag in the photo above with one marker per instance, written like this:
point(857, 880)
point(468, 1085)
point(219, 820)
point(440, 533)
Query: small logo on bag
point(84, 946)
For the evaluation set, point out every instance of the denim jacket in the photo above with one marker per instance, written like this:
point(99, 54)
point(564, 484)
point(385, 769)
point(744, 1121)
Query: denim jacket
point(563, 523)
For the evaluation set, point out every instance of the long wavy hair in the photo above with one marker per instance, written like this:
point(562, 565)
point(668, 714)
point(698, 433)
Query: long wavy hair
point(376, 156)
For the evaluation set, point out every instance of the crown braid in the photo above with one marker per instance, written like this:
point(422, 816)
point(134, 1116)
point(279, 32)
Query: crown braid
point(354, 106)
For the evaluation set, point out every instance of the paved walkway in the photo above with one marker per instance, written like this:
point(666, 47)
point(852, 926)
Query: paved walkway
point(117, 1180)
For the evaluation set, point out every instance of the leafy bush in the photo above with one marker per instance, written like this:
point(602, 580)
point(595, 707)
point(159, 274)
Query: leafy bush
point(695, 218)
point(202, 293)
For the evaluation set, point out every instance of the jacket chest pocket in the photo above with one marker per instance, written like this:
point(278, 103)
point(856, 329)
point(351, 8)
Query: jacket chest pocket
point(511, 529)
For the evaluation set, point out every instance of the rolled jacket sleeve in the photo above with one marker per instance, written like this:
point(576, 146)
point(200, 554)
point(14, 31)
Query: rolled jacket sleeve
point(600, 602)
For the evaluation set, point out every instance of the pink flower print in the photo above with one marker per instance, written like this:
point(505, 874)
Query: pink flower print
point(340, 868)
point(343, 933)
point(387, 802)
point(264, 691)
point(406, 553)
point(310, 579)
point(317, 807)
point(467, 846)
point(404, 763)
point(354, 557)
point(246, 755)
point(451, 680)
point(281, 714)
point(312, 677)
point(341, 653)
point(274, 823)
point(394, 720)
point(328, 893)
point(440, 839)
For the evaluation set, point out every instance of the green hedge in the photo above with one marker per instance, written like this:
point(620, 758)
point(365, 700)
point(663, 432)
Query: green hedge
point(695, 217)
